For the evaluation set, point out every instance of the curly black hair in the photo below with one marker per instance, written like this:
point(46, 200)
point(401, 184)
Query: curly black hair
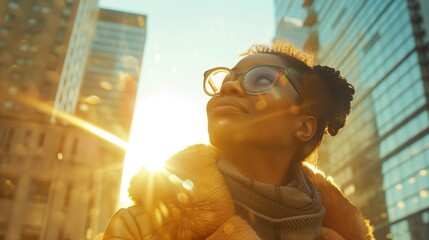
point(326, 91)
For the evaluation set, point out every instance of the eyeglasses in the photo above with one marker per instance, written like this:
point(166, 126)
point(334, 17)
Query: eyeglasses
point(256, 80)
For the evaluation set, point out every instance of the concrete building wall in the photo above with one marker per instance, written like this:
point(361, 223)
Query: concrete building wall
point(52, 185)
point(57, 180)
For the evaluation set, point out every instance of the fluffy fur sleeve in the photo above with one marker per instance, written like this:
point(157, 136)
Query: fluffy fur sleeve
point(189, 200)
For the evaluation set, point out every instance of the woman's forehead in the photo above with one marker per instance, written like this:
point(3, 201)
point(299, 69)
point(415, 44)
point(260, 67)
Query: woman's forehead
point(258, 59)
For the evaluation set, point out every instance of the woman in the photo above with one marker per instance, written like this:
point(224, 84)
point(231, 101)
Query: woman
point(266, 117)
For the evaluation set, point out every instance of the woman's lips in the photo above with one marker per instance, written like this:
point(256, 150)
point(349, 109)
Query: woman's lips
point(228, 107)
point(227, 110)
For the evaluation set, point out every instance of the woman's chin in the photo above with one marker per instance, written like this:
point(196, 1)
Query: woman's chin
point(220, 139)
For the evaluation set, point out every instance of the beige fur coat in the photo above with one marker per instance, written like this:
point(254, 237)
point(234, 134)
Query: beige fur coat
point(191, 201)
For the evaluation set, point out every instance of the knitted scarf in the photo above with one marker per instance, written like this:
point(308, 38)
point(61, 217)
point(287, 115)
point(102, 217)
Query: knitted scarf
point(293, 211)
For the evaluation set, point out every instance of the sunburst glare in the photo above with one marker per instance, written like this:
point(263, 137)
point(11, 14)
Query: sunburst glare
point(161, 127)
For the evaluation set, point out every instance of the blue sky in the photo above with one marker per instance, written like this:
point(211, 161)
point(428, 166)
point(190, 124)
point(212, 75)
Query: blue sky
point(185, 38)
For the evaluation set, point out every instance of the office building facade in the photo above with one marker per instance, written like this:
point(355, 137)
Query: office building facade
point(73, 68)
point(39, 161)
point(112, 72)
point(381, 159)
point(37, 43)
point(295, 21)
point(57, 179)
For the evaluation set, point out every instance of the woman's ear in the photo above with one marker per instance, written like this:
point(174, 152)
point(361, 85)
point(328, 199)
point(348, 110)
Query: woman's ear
point(307, 128)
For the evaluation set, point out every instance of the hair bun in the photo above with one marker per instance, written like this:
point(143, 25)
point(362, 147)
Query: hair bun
point(339, 93)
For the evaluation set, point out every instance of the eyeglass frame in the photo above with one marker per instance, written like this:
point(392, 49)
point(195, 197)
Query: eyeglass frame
point(285, 70)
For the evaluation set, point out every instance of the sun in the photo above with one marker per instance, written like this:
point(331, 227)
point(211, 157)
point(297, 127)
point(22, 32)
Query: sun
point(163, 125)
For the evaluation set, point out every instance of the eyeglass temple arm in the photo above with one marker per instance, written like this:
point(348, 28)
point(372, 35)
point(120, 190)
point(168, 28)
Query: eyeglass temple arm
point(294, 84)
point(214, 88)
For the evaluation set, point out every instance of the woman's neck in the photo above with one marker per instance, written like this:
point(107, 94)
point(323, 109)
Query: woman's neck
point(269, 166)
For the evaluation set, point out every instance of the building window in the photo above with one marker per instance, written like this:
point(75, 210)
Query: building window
point(36, 8)
point(66, 11)
point(20, 61)
point(21, 76)
point(60, 36)
point(27, 138)
point(24, 47)
point(61, 145)
point(31, 33)
point(8, 17)
point(32, 21)
point(12, 90)
point(46, 10)
point(7, 187)
point(41, 140)
point(8, 104)
point(30, 233)
point(68, 195)
point(39, 191)
point(30, 62)
point(3, 229)
point(35, 21)
point(74, 147)
point(425, 217)
point(13, 5)
point(8, 134)
point(4, 31)
point(63, 22)
point(34, 48)
point(24, 62)
point(371, 42)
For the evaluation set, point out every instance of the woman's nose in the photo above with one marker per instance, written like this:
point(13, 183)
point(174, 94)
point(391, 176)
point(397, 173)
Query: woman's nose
point(232, 87)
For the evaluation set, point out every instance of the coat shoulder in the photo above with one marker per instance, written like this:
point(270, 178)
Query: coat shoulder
point(123, 225)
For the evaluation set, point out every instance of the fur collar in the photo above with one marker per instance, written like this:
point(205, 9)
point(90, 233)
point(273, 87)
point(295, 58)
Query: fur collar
point(341, 215)
point(196, 213)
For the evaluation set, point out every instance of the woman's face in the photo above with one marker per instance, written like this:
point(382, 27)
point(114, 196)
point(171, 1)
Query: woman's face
point(268, 120)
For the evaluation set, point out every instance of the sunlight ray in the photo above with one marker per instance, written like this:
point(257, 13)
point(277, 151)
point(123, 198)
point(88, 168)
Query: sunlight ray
point(69, 118)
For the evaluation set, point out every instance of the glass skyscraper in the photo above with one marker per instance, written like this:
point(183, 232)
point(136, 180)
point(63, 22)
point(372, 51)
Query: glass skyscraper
point(381, 160)
point(109, 85)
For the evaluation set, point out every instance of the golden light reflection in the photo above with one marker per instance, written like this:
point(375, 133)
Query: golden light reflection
point(83, 107)
point(291, 110)
point(106, 85)
point(398, 187)
point(261, 104)
point(187, 184)
point(93, 99)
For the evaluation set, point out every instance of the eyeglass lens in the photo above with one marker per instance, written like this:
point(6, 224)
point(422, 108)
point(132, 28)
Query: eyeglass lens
point(255, 80)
